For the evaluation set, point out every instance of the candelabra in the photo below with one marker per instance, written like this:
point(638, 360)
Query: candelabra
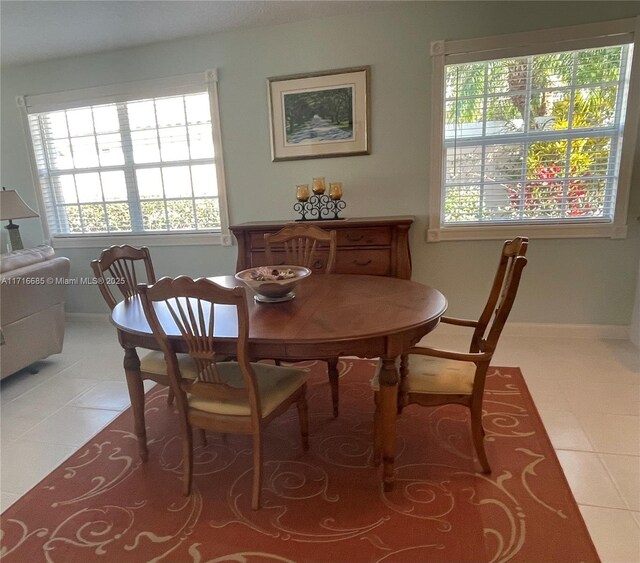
point(319, 206)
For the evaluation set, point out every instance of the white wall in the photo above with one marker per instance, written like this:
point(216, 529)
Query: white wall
point(580, 281)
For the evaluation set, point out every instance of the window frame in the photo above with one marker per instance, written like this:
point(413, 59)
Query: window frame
point(113, 93)
point(533, 43)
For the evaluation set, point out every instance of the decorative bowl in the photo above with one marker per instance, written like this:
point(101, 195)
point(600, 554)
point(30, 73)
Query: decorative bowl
point(273, 283)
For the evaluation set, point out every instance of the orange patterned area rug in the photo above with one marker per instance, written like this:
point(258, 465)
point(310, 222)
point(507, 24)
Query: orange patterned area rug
point(326, 505)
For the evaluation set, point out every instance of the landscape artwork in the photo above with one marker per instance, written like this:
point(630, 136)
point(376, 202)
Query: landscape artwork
point(320, 115)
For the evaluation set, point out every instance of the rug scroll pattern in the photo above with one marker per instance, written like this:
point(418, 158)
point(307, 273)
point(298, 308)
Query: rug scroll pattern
point(327, 504)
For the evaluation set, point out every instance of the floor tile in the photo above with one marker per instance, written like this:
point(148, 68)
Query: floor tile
point(112, 395)
point(625, 471)
point(614, 533)
point(546, 394)
point(15, 422)
point(19, 383)
point(564, 430)
point(109, 395)
point(70, 426)
point(97, 368)
point(58, 390)
point(28, 409)
point(602, 397)
point(36, 461)
point(589, 480)
point(612, 433)
point(7, 499)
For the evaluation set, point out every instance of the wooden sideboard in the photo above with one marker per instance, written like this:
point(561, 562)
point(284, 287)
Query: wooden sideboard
point(376, 246)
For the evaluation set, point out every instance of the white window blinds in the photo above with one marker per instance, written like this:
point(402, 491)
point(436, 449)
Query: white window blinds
point(129, 162)
point(534, 139)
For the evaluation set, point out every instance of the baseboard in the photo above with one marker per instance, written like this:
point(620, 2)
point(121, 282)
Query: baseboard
point(551, 330)
point(88, 317)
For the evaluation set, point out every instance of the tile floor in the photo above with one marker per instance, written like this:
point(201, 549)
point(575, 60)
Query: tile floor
point(587, 392)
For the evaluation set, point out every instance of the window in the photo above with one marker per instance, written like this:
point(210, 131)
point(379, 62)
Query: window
point(140, 159)
point(532, 132)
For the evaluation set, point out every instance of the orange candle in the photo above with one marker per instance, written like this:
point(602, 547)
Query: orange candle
point(335, 190)
point(302, 192)
point(318, 186)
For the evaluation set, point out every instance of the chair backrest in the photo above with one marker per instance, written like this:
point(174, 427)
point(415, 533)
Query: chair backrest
point(201, 309)
point(120, 266)
point(503, 294)
point(300, 245)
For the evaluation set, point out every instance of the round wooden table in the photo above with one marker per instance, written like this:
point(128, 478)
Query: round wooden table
point(331, 315)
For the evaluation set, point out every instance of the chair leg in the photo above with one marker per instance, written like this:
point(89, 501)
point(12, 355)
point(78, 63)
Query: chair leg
point(203, 437)
point(257, 470)
point(187, 461)
point(303, 416)
point(377, 432)
point(170, 397)
point(477, 432)
point(136, 394)
point(334, 382)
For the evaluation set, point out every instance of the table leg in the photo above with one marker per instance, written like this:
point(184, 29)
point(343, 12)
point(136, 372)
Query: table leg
point(388, 395)
point(136, 395)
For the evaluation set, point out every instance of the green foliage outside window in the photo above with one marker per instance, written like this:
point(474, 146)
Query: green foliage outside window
point(180, 214)
point(559, 92)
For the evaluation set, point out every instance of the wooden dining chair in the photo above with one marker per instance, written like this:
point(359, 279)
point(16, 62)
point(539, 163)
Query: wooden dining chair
point(121, 266)
point(432, 377)
point(226, 396)
point(301, 243)
point(125, 267)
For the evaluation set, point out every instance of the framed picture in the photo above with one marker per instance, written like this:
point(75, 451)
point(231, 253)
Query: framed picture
point(320, 114)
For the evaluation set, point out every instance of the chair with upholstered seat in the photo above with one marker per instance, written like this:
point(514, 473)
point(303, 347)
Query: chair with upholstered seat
point(432, 377)
point(226, 396)
point(125, 267)
point(301, 244)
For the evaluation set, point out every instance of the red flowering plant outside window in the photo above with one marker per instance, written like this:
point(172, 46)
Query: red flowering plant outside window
point(555, 189)
point(556, 195)
point(534, 139)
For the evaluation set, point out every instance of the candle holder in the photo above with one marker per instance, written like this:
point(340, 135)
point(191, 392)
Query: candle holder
point(318, 186)
point(319, 206)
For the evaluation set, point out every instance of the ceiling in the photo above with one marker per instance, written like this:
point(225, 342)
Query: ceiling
point(37, 30)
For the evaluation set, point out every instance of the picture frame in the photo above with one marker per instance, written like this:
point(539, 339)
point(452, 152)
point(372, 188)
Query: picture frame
point(320, 114)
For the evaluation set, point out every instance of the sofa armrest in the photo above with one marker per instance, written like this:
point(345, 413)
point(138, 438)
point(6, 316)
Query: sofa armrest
point(32, 288)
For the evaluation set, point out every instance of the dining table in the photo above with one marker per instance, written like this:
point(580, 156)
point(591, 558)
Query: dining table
point(331, 315)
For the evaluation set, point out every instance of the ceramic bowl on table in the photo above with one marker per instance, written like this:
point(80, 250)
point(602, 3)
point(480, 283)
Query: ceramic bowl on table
point(272, 284)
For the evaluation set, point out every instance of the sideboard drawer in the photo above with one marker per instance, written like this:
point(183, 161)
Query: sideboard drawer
point(359, 237)
point(256, 240)
point(375, 246)
point(259, 258)
point(364, 237)
point(366, 261)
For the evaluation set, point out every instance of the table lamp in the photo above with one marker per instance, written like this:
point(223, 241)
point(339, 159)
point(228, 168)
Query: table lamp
point(13, 207)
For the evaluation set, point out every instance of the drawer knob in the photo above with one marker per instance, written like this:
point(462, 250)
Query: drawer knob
point(354, 238)
point(318, 265)
point(362, 262)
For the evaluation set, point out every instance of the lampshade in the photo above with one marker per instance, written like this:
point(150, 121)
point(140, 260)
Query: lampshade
point(13, 207)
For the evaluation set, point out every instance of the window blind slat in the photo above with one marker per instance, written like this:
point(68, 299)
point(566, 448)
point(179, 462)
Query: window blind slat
point(534, 138)
point(120, 93)
point(146, 165)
